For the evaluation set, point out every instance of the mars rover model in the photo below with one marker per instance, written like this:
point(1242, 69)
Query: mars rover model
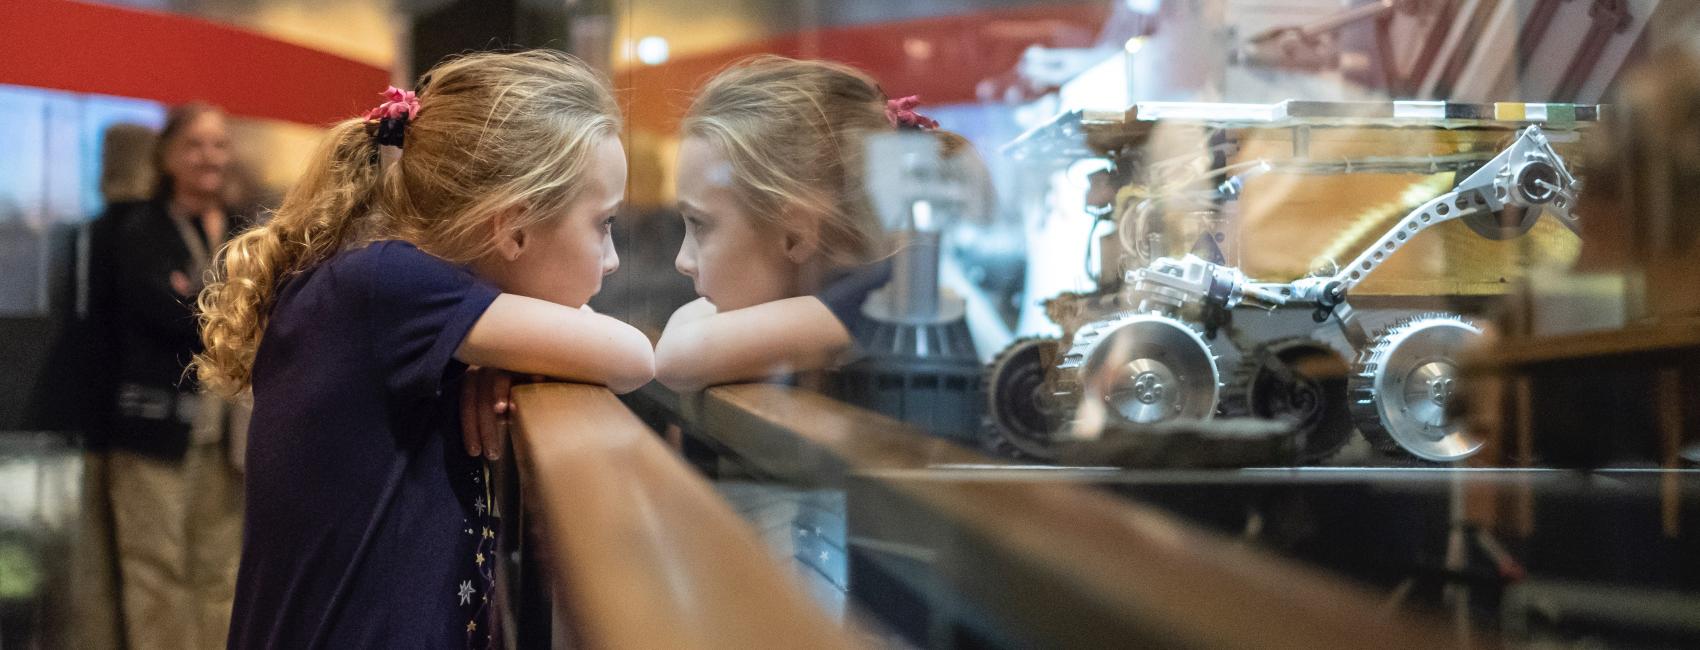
point(1183, 328)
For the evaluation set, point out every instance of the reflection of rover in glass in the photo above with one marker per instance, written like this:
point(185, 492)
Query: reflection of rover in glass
point(1183, 327)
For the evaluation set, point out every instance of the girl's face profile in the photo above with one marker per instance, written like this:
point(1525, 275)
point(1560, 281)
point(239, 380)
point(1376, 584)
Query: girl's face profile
point(733, 260)
point(563, 260)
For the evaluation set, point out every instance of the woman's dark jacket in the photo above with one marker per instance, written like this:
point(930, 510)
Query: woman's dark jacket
point(152, 329)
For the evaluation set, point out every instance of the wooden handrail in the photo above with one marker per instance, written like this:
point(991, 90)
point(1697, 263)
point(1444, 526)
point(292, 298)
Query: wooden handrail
point(1637, 343)
point(643, 551)
point(807, 438)
point(1112, 572)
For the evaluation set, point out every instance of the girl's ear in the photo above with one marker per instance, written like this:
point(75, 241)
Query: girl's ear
point(802, 232)
point(510, 241)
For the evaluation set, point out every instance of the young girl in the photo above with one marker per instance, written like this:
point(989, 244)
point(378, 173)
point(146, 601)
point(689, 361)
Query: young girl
point(464, 226)
point(780, 237)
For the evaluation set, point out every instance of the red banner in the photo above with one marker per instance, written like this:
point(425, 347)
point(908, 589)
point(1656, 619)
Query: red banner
point(945, 59)
point(92, 48)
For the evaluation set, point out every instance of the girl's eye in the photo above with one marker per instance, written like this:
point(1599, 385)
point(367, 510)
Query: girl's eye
point(608, 224)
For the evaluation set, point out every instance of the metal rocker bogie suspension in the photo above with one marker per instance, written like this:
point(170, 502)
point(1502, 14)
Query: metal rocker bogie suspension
point(1403, 377)
point(1527, 174)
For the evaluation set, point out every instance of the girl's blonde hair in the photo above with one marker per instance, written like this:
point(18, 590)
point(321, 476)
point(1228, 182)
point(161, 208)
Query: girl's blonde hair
point(792, 131)
point(494, 133)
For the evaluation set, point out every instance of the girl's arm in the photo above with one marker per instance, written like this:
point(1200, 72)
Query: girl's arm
point(701, 347)
point(531, 336)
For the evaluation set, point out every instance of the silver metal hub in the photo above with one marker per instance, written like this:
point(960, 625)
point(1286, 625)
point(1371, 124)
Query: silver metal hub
point(1538, 181)
point(1146, 395)
point(1145, 368)
point(1403, 383)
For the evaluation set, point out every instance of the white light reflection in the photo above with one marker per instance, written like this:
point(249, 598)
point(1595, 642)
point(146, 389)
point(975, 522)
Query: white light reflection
point(652, 50)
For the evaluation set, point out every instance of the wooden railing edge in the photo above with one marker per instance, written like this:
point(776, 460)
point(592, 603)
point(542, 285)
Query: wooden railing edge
point(1070, 535)
point(643, 552)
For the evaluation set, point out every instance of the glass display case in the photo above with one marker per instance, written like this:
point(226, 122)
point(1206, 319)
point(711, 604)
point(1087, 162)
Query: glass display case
point(1327, 278)
point(1353, 187)
point(1191, 323)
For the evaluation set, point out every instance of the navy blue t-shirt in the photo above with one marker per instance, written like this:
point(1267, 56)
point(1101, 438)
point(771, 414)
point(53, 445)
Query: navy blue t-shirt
point(844, 294)
point(368, 525)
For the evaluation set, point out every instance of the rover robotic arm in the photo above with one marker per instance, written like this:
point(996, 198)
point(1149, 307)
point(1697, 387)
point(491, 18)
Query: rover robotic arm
point(1404, 373)
point(1529, 175)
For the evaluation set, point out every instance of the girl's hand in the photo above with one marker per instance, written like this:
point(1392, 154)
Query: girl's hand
point(486, 409)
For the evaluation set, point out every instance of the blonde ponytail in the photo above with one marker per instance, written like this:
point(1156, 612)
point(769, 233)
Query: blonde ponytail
point(495, 133)
point(310, 226)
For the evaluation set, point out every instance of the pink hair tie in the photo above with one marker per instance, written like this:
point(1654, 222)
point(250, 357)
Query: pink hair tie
point(397, 103)
point(901, 113)
point(388, 122)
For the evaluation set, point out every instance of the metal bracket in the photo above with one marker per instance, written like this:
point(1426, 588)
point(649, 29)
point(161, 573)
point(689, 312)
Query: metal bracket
point(1528, 173)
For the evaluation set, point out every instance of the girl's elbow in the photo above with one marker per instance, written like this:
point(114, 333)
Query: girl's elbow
point(673, 372)
point(638, 373)
point(636, 366)
point(679, 382)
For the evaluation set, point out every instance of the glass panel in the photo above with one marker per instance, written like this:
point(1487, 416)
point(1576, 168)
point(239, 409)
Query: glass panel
point(1282, 145)
point(1191, 239)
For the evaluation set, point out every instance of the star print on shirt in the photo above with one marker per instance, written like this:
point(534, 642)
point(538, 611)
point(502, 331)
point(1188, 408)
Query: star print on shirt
point(466, 592)
point(478, 504)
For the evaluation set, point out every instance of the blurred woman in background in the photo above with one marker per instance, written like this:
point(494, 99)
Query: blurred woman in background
point(127, 179)
point(176, 496)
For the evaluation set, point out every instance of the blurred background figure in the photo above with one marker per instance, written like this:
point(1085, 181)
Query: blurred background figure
point(128, 179)
point(175, 492)
point(127, 174)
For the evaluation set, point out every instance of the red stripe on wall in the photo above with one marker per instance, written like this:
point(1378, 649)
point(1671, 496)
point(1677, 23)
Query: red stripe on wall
point(942, 59)
point(92, 48)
